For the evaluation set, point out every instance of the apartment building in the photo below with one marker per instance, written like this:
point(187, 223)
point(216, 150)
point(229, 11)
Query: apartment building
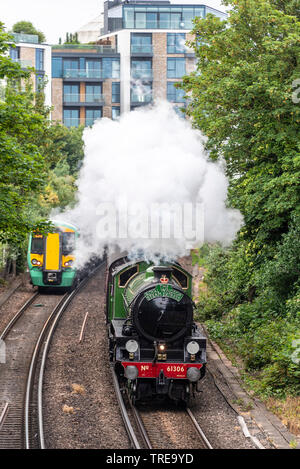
point(140, 55)
point(151, 36)
point(29, 53)
point(85, 83)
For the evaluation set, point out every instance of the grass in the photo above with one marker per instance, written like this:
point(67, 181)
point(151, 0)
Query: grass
point(288, 411)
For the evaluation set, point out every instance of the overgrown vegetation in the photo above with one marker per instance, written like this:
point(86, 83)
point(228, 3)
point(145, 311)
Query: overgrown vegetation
point(242, 99)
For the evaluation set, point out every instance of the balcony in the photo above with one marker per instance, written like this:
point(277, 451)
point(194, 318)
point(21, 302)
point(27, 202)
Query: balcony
point(76, 98)
point(23, 63)
point(98, 49)
point(89, 121)
point(77, 73)
point(71, 121)
point(29, 38)
point(141, 49)
point(141, 99)
point(142, 74)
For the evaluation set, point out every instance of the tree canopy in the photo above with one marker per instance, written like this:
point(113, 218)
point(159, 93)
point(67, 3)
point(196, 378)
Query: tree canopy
point(27, 27)
point(30, 149)
point(242, 98)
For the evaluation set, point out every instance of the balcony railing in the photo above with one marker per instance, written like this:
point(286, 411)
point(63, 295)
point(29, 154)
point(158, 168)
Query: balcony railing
point(89, 121)
point(142, 74)
point(141, 49)
point(23, 63)
point(76, 73)
point(87, 98)
point(29, 38)
point(71, 121)
point(141, 98)
point(87, 48)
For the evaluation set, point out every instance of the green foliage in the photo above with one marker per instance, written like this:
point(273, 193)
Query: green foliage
point(38, 160)
point(60, 191)
point(71, 38)
point(26, 27)
point(241, 98)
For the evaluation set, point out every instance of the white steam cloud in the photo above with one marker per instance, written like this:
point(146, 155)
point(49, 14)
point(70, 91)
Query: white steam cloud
point(142, 172)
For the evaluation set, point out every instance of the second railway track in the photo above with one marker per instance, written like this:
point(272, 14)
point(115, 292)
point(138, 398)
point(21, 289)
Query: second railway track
point(20, 387)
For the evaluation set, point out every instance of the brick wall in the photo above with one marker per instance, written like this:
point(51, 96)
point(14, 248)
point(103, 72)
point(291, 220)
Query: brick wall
point(57, 99)
point(159, 65)
point(106, 90)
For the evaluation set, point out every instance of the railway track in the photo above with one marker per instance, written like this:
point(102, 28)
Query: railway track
point(153, 428)
point(27, 338)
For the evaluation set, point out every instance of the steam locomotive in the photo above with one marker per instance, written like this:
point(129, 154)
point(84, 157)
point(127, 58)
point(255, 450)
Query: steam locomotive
point(155, 347)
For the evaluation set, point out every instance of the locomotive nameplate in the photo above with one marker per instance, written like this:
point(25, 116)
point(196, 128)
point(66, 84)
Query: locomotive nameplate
point(171, 370)
point(163, 291)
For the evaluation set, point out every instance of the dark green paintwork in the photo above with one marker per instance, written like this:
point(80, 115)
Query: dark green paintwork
point(120, 298)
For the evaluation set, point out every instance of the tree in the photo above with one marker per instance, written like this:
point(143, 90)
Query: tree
point(71, 38)
point(26, 27)
point(22, 168)
point(242, 99)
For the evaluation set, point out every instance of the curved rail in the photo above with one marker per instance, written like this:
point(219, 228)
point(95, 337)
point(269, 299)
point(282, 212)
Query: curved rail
point(18, 315)
point(198, 428)
point(59, 310)
point(124, 413)
point(30, 377)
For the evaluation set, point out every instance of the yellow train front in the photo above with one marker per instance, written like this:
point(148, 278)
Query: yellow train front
point(51, 258)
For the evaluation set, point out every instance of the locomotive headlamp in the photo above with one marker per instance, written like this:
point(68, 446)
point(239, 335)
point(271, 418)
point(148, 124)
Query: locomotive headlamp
point(69, 263)
point(131, 372)
point(35, 262)
point(131, 346)
point(193, 347)
point(193, 374)
point(161, 347)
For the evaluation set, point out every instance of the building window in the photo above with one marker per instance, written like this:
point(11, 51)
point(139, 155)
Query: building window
point(91, 115)
point(56, 67)
point(176, 67)
point(115, 92)
point(162, 17)
point(141, 43)
point(111, 68)
point(93, 93)
point(71, 93)
point(141, 69)
point(115, 112)
point(175, 95)
point(152, 20)
point(39, 59)
point(14, 53)
point(92, 69)
point(71, 68)
point(141, 93)
point(176, 43)
point(71, 117)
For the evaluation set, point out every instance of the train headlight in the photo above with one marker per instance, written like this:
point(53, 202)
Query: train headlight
point(193, 347)
point(131, 346)
point(193, 374)
point(35, 262)
point(69, 263)
point(131, 372)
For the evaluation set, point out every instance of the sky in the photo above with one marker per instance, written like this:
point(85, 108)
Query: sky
point(56, 17)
